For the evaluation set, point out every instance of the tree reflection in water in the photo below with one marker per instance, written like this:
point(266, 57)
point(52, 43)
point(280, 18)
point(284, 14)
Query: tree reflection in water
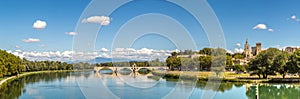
point(224, 86)
point(15, 88)
point(267, 91)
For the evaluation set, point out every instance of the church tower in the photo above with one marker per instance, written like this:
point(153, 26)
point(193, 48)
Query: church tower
point(247, 51)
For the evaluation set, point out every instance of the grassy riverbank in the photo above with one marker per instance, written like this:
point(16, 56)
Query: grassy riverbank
point(11, 78)
point(225, 77)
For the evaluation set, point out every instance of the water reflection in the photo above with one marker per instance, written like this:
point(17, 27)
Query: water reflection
point(280, 91)
point(131, 85)
point(51, 81)
point(125, 71)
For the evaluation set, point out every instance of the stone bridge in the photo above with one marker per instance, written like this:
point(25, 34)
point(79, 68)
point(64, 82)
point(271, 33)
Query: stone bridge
point(131, 68)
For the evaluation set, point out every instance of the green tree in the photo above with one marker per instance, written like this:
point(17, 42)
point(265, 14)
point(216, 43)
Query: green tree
point(293, 66)
point(218, 64)
point(239, 68)
point(205, 62)
point(262, 64)
point(10, 64)
point(229, 62)
point(280, 63)
point(238, 56)
point(190, 63)
point(173, 62)
point(206, 51)
point(174, 54)
point(219, 60)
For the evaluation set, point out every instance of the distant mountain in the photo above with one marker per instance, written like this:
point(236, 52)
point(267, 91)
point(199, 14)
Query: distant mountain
point(101, 60)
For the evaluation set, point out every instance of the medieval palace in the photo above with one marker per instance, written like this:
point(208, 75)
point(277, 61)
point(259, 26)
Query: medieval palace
point(255, 50)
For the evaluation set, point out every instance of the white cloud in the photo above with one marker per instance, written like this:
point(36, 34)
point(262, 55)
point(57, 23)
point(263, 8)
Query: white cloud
point(145, 51)
point(102, 20)
point(260, 26)
point(38, 24)
point(238, 50)
point(104, 50)
point(71, 33)
point(270, 30)
point(31, 40)
point(293, 17)
point(143, 54)
point(238, 44)
point(229, 51)
point(105, 55)
point(52, 55)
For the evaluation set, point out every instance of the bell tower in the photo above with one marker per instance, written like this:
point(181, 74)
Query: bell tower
point(247, 51)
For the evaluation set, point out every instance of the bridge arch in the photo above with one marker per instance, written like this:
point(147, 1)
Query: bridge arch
point(136, 68)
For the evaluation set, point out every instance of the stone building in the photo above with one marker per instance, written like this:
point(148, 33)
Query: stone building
point(255, 50)
point(291, 49)
point(247, 51)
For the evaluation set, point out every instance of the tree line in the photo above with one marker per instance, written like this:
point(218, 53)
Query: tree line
point(209, 59)
point(13, 65)
point(269, 62)
point(273, 61)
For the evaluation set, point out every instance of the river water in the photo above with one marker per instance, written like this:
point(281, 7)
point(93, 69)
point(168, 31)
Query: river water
point(126, 85)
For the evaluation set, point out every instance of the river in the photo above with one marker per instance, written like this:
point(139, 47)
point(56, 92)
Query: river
point(126, 85)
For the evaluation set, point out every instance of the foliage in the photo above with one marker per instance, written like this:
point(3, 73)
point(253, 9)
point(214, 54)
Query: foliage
point(218, 64)
point(45, 65)
point(173, 63)
point(262, 64)
point(229, 61)
point(13, 65)
point(206, 51)
point(268, 91)
point(83, 65)
point(205, 62)
point(272, 61)
point(190, 64)
point(186, 52)
point(10, 64)
point(239, 68)
point(280, 63)
point(238, 56)
point(293, 66)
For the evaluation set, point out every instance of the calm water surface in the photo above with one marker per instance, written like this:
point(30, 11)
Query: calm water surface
point(127, 85)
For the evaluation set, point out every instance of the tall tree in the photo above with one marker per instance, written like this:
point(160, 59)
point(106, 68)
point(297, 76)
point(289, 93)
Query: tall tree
point(173, 62)
point(294, 63)
point(280, 63)
point(206, 51)
point(205, 62)
point(262, 64)
point(218, 64)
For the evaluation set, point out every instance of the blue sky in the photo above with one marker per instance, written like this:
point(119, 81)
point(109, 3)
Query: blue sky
point(17, 18)
point(273, 23)
point(238, 18)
